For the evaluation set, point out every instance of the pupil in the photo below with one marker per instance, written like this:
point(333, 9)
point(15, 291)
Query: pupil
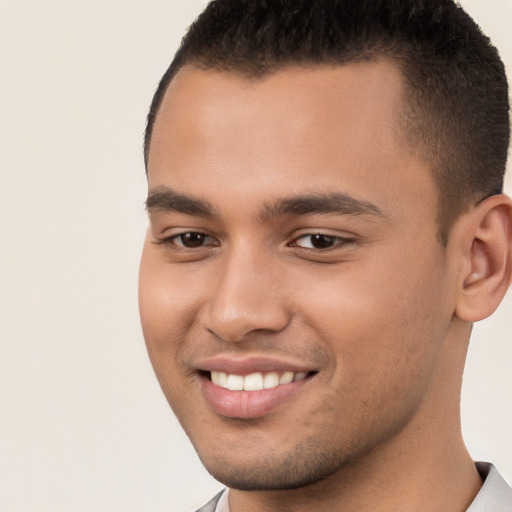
point(322, 241)
point(192, 239)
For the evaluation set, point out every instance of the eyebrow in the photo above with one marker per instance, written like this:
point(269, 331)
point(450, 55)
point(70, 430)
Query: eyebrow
point(165, 199)
point(317, 203)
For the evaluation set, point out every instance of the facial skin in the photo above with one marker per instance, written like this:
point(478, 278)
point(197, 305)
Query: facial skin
point(314, 249)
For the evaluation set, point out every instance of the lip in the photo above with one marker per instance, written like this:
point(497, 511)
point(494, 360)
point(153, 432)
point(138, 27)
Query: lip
point(250, 404)
point(247, 365)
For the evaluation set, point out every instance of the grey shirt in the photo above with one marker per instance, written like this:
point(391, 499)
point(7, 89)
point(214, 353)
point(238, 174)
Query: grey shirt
point(495, 494)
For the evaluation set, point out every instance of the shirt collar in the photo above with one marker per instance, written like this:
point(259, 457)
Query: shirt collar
point(495, 494)
point(223, 503)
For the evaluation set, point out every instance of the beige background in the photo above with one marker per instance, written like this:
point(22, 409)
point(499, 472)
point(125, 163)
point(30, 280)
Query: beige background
point(83, 424)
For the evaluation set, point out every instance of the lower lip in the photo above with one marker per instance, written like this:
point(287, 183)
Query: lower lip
point(248, 404)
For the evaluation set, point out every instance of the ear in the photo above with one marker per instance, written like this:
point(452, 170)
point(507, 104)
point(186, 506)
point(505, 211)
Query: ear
point(487, 269)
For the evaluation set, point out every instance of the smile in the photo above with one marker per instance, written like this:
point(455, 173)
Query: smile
point(255, 381)
point(251, 395)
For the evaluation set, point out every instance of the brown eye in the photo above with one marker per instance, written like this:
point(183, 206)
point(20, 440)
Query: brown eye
point(322, 241)
point(318, 241)
point(190, 240)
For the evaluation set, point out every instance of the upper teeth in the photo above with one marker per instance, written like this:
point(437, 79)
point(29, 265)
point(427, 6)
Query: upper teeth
point(254, 381)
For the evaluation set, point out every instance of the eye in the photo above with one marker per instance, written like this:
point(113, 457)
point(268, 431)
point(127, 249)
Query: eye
point(192, 240)
point(319, 241)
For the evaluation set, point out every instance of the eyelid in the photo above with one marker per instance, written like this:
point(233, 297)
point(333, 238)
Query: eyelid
point(340, 240)
point(170, 240)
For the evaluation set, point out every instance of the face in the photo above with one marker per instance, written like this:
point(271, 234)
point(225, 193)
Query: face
point(294, 299)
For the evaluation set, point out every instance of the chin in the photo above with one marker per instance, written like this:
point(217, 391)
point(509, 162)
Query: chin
point(291, 471)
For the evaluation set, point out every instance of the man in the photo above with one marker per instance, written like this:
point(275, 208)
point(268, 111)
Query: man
point(326, 223)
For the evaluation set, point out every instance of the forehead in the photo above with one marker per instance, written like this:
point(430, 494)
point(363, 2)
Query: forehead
point(317, 127)
point(282, 102)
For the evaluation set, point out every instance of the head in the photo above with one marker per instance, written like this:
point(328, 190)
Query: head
point(454, 112)
point(323, 232)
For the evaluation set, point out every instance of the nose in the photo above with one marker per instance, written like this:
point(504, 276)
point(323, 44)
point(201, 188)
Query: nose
point(246, 298)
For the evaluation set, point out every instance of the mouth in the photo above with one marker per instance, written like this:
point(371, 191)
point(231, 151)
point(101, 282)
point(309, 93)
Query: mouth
point(254, 394)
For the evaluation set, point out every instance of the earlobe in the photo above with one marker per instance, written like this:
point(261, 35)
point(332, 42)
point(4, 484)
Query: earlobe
point(488, 253)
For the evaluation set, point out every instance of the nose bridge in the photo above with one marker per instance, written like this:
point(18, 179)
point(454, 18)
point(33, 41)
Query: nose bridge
point(246, 295)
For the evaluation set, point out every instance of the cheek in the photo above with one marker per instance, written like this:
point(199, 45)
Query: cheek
point(166, 300)
point(383, 322)
point(166, 315)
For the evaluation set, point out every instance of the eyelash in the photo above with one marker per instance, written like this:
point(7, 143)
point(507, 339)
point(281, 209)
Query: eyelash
point(336, 242)
point(171, 241)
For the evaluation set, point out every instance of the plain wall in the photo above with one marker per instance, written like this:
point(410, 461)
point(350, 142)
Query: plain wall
point(83, 423)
